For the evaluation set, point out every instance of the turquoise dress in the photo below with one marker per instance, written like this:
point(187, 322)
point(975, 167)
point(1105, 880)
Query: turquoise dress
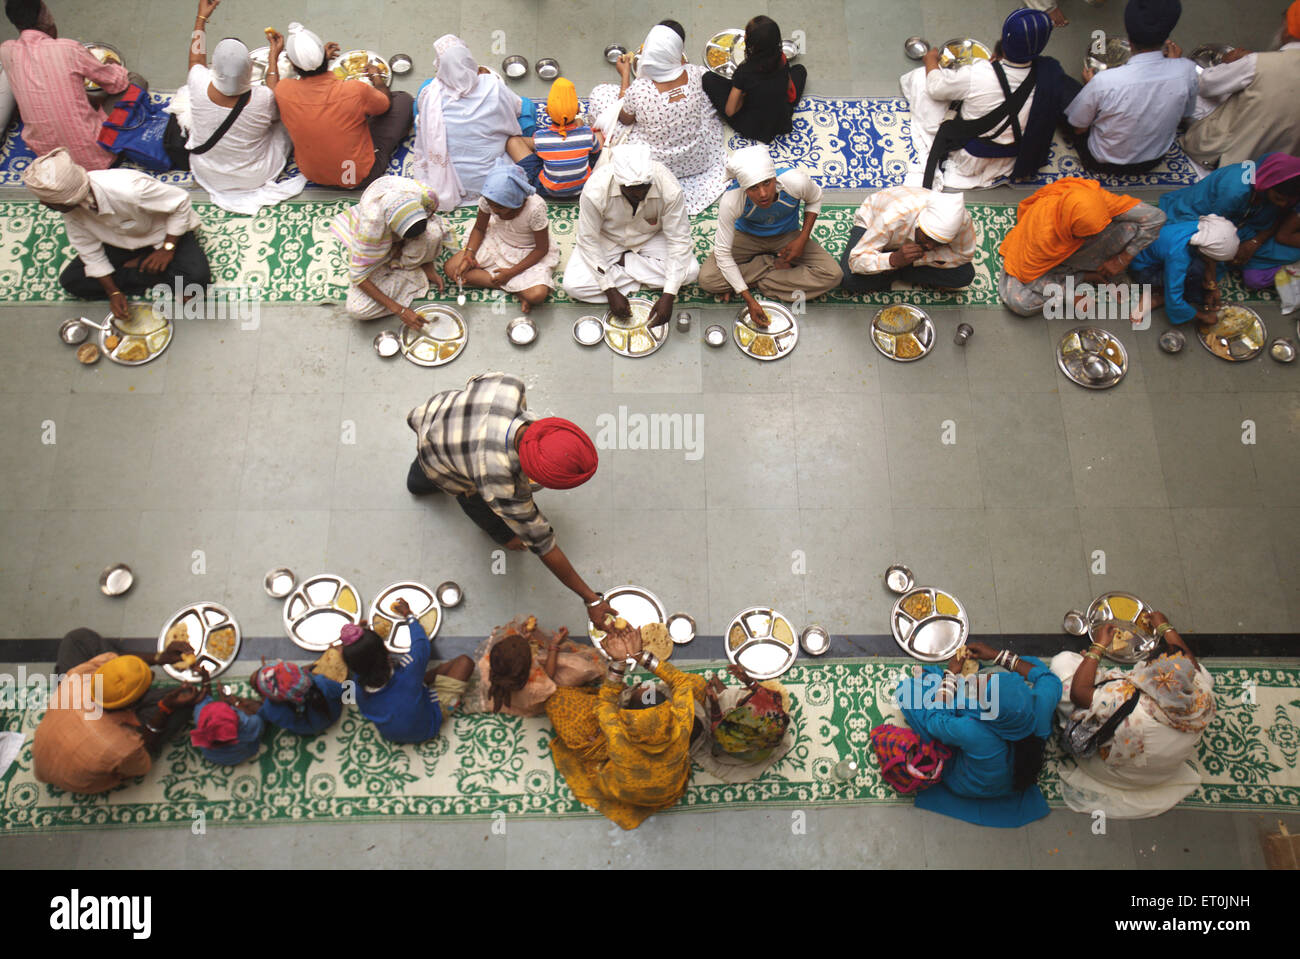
point(977, 782)
point(1168, 264)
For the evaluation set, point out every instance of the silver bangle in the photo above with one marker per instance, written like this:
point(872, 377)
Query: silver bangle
point(600, 598)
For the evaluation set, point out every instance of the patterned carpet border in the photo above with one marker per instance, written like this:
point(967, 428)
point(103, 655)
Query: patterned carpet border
point(848, 143)
point(484, 765)
point(287, 254)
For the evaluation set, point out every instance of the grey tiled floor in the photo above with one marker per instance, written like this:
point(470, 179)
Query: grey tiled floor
point(832, 461)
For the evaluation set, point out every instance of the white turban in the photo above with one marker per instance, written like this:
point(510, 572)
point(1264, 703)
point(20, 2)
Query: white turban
point(1216, 237)
point(943, 216)
point(750, 166)
point(633, 163)
point(304, 49)
point(232, 68)
point(660, 58)
point(57, 179)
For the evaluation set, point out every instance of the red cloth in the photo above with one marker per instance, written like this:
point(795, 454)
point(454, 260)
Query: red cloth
point(218, 725)
point(1277, 168)
point(557, 453)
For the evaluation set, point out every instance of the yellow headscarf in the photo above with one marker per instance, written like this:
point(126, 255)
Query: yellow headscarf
point(124, 680)
point(562, 105)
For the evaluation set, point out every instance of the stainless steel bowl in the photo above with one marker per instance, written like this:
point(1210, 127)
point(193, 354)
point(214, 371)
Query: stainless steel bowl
point(521, 331)
point(1282, 350)
point(279, 582)
point(916, 47)
point(388, 344)
point(588, 330)
point(814, 640)
point(899, 578)
point(400, 63)
point(88, 354)
point(116, 579)
point(449, 594)
point(716, 336)
point(1172, 341)
point(1075, 623)
point(73, 332)
point(1116, 53)
point(514, 67)
point(614, 51)
point(790, 49)
point(681, 628)
point(547, 68)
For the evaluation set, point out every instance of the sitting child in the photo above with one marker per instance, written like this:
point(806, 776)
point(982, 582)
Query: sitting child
point(227, 731)
point(299, 700)
point(564, 151)
point(1184, 264)
point(509, 247)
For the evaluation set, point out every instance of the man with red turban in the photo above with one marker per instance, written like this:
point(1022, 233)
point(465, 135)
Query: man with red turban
point(483, 446)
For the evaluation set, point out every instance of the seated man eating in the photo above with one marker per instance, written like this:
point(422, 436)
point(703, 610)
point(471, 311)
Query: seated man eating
point(632, 230)
point(130, 231)
point(913, 235)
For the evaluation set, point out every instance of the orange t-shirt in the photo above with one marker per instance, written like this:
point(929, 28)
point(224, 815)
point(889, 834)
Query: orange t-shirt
point(326, 118)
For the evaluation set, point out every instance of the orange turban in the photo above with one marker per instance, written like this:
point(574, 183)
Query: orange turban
point(562, 104)
point(1052, 224)
point(1293, 20)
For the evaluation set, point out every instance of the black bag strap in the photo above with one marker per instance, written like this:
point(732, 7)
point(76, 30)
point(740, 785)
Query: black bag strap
point(1014, 102)
point(1107, 731)
point(226, 124)
point(954, 133)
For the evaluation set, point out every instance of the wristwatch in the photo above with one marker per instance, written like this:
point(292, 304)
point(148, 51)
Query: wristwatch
point(169, 246)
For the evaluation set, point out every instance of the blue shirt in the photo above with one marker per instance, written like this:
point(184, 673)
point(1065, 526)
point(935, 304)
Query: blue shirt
point(1134, 110)
point(245, 747)
point(779, 218)
point(1229, 192)
point(309, 722)
point(405, 710)
point(1170, 255)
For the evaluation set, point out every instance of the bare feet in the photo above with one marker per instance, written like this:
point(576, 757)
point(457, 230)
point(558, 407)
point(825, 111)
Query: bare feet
point(1058, 18)
point(525, 306)
point(516, 544)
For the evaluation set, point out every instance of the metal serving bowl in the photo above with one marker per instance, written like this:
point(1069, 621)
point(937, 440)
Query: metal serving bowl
point(547, 68)
point(514, 67)
point(1172, 341)
point(1282, 350)
point(400, 63)
point(681, 628)
point(814, 640)
point(716, 336)
point(279, 582)
point(116, 579)
point(916, 47)
point(521, 331)
point(614, 51)
point(449, 594)
point(1116, 53)
point(73, 332)
point(588, 331)
point(388, 344)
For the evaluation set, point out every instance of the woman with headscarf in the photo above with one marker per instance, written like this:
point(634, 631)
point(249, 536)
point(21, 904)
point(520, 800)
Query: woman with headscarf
point(1184, 264)
point(240, 167)
point(639, 762)
point(743, 730)
point(764, 236)
point(758, 100)
point(297, 699)
point(1133, 735)
point(399, 693)
point(666, 108)
point(1071, 228)
point(465, 118)
point(391, 240)
point(1256, 195)
point(509, 247)
point(227, 731)
point(520, 667)
point(1007, 108)
point(996, 724)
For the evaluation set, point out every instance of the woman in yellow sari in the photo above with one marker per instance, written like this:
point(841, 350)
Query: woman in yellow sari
point(626, 762)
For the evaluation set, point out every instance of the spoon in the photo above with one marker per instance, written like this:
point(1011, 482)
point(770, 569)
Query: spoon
point(460, 293)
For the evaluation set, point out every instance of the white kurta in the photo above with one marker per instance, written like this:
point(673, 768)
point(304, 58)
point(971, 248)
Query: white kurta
point(977, 87)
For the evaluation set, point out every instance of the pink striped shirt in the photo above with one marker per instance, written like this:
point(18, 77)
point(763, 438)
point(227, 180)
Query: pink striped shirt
point(47, 79)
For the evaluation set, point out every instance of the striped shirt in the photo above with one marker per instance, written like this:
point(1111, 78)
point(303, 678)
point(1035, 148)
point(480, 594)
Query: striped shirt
point(566, 160)
point(47, 79)
point(466, 441)
point(889, 217)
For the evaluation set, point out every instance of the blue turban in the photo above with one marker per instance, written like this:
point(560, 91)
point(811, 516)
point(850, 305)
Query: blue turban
point(1149, 22)
point(1025, 34)
point(507, 185)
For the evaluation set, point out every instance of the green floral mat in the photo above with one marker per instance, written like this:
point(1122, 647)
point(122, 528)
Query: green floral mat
point(484, 764)
point(288, 255)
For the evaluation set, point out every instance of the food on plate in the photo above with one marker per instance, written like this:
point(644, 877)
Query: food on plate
point(425, 350)
point(447, 350)
point(908, 347)
point(640, 342)
point(918, 605)
point(945, 605)
point(157, 340)
point(382, 626)
point(87, 353)
point(654, 637)
point(530, 624)
point(967, 663)
point(1123, 608)
point(1233, 321)
point(331, 665)
point(142, 320)
point(347, 600)
point(1144, 621)
point(1072, 344)
point(616, 339)
point(764, 345)
point(736, 637)
point(134, 350)
point(615, 622)
point(1122, 640)
point(745, 335)
point(354, 65)
point(782, 632)
point(188, 658)
point(111, 341)
point(429, 621)
point(221, 642)
point(179, 632)
point(897, 319)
